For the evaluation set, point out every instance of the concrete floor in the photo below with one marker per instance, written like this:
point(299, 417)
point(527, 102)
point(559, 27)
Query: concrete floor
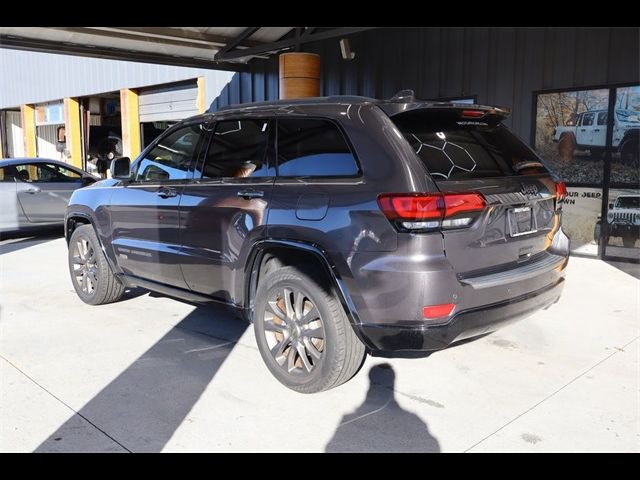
point(153, 374)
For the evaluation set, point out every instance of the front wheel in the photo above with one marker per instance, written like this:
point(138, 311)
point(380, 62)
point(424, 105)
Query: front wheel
point(629, 241)
point(91, 275)
point(303, 333)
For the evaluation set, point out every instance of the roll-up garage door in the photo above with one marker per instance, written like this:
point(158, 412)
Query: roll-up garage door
point(168, 102)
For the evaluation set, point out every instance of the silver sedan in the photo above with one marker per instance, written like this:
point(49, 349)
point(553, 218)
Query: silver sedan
point(34, 192)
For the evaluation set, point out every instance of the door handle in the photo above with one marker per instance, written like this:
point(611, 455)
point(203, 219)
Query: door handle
point(249, 194)
point(32, 190)
point(583, 129)
point(596, 129)
point(166, 192)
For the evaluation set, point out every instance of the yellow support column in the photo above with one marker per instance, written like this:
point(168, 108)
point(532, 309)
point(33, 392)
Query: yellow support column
point(72, 131)
point(130, 118)
point(200, 100)
point(28, 119)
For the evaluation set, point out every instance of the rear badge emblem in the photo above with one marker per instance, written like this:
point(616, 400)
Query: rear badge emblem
point(528, 189)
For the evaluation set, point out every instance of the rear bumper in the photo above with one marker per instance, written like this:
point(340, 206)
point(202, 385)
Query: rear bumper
point(465, 324)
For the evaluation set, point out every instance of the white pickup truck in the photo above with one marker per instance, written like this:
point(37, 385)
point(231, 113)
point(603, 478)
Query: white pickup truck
point(589, 132)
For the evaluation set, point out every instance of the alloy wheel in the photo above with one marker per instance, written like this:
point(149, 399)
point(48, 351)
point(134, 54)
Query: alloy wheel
point(85, 269)
point(294, 331)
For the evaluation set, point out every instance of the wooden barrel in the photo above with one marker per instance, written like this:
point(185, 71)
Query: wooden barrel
point(299, 75)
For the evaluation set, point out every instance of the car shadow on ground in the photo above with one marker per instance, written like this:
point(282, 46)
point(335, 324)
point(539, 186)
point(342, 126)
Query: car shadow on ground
point(14, 241)
point(141, 409)
point(380, 424)
point(629, 268)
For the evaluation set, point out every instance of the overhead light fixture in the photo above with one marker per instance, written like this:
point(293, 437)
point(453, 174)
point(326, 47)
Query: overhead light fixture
point(345, 49)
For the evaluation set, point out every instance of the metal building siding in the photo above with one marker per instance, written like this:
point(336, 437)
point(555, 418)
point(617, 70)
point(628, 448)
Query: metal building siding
point(502, 66)
point(174, 103)
point(33, 77)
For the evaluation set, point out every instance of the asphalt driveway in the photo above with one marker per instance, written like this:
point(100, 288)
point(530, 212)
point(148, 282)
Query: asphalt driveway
point(154, 374)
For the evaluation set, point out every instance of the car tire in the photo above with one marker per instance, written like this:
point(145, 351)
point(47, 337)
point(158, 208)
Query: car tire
point(628, 241)
point(629, 154)
point(92, 278)
point(597, 231)
point(566, 146)
point(306, 342)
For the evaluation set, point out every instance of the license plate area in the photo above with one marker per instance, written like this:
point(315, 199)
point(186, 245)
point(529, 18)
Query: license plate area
point(521, 221)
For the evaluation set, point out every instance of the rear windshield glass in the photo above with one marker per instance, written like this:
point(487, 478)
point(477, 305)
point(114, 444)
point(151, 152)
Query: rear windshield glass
point(456, 148)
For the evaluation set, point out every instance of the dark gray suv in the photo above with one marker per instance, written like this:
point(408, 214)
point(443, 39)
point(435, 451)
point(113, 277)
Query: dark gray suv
point(339, 226)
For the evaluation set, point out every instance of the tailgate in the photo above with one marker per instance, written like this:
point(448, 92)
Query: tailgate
point(517, 224)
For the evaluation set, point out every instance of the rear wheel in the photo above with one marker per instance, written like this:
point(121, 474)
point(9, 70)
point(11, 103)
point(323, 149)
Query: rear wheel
point(566, 146)
point(303, 333)
point(91, 275)
point(597, 231)
point(630, 154)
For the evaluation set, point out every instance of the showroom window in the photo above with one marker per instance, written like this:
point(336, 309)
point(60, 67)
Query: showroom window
point(589, 137)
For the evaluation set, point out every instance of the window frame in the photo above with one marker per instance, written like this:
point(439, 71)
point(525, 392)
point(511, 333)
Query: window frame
point(591, 115)
point(345, 137)
point(192, 166)
point(268, 154)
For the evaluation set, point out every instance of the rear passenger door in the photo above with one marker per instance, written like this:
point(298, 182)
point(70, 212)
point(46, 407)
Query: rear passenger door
point(317, 184)
point(224, 209)
point(599, 138)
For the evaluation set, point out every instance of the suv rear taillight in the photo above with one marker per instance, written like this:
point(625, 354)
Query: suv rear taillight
point(411, 212)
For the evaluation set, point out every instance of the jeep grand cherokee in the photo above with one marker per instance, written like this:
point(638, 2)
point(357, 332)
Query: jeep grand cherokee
point(339, 226)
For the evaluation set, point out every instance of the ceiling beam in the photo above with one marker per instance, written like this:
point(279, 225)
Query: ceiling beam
point(291, 42)
point(175, 33)
point(116, 33)
point(236, 42)
point(47, 46)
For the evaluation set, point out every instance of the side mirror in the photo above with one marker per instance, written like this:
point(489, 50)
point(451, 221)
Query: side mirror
point(121, 168)
point(610, 206)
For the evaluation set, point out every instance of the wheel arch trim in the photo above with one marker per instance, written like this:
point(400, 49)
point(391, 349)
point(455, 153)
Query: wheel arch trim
point(256, 255)
point(90, 221)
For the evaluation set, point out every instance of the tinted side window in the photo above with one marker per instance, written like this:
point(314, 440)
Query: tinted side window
point(56, 173)
point(237, 150)
point(313, 148)
point(602, 118)
point(172, 156)
point(587, 119)
point(43, 173)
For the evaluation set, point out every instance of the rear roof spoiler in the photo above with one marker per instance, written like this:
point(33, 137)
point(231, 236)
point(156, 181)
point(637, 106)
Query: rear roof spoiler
point(405, 101)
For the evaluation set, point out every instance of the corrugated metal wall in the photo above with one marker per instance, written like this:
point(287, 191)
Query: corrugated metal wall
point(502, 66)
point(173, 102)
point(15, 141)
point(33, 77)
